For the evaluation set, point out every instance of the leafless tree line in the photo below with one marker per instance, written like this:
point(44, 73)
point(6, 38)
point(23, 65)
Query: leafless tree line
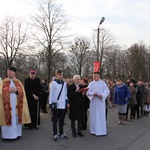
point(43, 45)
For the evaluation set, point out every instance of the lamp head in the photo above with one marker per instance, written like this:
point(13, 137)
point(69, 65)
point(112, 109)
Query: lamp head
point(102, 20)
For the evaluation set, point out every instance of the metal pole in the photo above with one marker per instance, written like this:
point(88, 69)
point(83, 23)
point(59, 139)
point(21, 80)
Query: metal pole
point(98, 44)
point(101, 60)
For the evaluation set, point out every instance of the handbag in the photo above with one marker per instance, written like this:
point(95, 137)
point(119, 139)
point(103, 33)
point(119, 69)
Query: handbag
point(54, 105)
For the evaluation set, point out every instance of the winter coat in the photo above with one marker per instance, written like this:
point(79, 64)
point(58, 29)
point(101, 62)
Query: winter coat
point(121, 94)
point(132, 100)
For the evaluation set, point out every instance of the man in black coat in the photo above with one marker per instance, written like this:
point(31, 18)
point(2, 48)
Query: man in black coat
point(76, 106)
point(32, 88)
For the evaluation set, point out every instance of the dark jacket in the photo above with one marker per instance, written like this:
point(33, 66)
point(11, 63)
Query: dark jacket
point(75, 101)
point(132, 100)
point(140, 95)
point(44, 89)
point(32, 87)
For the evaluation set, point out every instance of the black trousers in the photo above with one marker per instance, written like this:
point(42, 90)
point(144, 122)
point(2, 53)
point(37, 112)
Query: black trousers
point(136, 111)
point(34, 114)
point(132, 111)
point(58, 115)
point(73, 125)
point(84, 120)
point(43, 102)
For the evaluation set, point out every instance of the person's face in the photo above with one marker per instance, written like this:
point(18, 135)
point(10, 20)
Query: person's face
point(82, 82)
point(59, 76)
point(96, 77)
point(77, 80)
point(119, 82)
point(67, 81)
point(128, 80)
point(42, 81)
point(32, 75)
point(131, 84)
point(11, 74)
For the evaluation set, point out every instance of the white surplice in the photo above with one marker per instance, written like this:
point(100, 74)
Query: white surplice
point(97, 107)
point(14, 130)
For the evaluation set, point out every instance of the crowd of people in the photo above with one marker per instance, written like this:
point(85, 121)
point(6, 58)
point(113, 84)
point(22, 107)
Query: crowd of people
point(21, 104)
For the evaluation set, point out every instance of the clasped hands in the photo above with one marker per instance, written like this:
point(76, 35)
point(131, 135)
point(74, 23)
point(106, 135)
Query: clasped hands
point(96, 94)
point(77, 89)
point(13, 90)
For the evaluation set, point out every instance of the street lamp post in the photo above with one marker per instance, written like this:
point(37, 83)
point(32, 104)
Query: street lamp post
point(101, 21)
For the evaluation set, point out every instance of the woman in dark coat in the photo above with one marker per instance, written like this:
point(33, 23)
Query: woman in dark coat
point(132, 101)
point(86, 102)
point(76, 106)
point(44, 95)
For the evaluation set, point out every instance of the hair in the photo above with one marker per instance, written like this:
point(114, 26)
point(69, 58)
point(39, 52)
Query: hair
point(140, 79)
point(119, 79)
point(58, 72)
point(76, 76)
point(97, 73)
point(44, 80)
point(85, 80)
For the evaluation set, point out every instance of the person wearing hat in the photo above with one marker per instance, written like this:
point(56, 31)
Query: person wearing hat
point(13, 106)
point(32, 88)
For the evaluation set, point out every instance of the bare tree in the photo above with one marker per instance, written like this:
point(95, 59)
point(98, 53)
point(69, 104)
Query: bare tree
point(79, 53)
point(50, 24)
point(111, 55)
point(13, 37)
point(138, 55)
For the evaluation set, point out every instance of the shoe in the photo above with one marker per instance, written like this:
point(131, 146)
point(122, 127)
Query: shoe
point(35, 127)
point(74, 134)
point(119, 122)
point(63, 136)
point(55, 137)
point(80, 134)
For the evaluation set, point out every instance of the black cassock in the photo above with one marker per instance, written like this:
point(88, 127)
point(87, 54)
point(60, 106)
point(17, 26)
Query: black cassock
point(33, 86)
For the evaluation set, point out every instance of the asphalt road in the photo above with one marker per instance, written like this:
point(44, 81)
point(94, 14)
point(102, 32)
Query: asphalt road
point(134, 135)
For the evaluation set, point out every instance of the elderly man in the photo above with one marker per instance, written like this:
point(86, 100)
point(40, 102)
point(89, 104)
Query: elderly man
point(32, 87)
point(97, 93)
point(76, 106)
point(13, 106)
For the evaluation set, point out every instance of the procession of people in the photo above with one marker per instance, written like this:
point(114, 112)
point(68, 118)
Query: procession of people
point(21, 103)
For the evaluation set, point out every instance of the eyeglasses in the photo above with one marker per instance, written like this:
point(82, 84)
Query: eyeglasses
point(32, 73)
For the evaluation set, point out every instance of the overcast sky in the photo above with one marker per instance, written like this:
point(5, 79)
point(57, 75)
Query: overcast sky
point(129, 20)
